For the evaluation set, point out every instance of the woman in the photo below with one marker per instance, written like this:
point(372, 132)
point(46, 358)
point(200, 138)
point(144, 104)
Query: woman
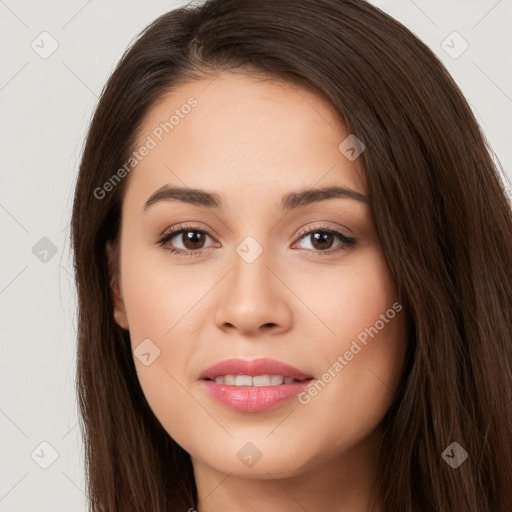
point(294, 271)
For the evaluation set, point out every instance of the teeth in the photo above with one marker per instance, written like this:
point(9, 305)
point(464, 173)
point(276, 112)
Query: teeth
point(228, 379)
point(257, 380)
point(243, 380)
point(275, 380)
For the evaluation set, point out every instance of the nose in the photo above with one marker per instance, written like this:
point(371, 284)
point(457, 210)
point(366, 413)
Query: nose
point(253, 298)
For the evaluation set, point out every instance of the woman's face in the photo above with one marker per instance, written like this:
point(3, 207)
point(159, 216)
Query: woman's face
point(263, 279)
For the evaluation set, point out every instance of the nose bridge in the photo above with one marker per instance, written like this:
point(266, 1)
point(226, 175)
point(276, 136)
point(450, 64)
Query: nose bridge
point(251, 297)
point(250, 274)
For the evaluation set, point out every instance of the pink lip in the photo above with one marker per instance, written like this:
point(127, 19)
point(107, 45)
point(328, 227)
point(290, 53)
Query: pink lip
point(253, 398)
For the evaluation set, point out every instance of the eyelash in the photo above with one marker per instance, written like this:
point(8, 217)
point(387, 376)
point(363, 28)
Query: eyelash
point(347, 241)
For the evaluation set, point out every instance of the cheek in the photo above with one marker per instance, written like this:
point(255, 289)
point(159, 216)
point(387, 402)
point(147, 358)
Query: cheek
point(158, 295)
point(159, 302)
point(353, 300)
point(361, 355)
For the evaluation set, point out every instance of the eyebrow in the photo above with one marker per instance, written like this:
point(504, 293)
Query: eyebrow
point(289, 201)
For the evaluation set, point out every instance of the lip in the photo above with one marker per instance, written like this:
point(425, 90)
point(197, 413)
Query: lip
point(253, 398)
point(253, 367)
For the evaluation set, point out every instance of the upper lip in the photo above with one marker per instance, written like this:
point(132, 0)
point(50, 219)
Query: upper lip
point(253, 367)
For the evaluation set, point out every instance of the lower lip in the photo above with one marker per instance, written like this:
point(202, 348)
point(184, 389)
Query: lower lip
point(254, 398)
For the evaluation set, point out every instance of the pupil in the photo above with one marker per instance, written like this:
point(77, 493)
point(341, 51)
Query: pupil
point(323, 237)
point(192, 238)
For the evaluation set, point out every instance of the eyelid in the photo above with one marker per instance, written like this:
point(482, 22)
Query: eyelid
point(321, 226)
point(183, 227)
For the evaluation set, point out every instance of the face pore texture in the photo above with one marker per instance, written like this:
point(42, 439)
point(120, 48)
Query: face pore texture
point(305, 303)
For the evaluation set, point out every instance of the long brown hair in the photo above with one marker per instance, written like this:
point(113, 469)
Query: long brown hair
point(442, 217)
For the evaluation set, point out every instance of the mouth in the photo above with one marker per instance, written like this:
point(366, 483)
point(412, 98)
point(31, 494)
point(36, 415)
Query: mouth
point(256, 380)
point(254, 386)
point(260, 370)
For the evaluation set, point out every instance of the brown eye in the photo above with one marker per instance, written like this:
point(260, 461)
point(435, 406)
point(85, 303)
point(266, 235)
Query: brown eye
point(193, 240)
point(322, 240)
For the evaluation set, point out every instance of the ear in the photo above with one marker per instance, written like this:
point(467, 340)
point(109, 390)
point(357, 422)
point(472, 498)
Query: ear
point(115, 287)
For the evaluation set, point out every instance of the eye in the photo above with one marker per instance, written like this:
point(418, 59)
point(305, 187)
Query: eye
point(192, 238)
point(322, 238)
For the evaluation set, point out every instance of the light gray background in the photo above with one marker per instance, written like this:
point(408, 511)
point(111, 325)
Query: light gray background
point(46, 105)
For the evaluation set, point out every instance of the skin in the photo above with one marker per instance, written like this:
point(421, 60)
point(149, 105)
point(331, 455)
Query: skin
point(290, 304)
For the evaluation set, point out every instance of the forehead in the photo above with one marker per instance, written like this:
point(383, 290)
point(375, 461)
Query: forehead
point(244, 134)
